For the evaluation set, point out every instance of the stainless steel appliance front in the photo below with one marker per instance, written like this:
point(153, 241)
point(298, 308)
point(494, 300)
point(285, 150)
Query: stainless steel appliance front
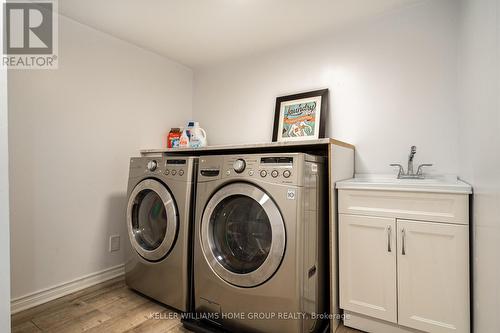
point(159, 217)
point(152, 219)
point(243, 234)
point(259, 241)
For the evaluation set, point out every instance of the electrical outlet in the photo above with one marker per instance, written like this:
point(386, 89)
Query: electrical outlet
point(114, 243)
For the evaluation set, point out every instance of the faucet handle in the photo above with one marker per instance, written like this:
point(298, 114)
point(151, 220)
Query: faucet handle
point(419, 170)
point(401, 169)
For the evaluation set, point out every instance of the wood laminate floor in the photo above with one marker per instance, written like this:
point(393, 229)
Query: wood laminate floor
point(108, 307)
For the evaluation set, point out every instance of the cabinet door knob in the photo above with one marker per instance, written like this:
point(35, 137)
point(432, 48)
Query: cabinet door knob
point(403, 238)
point(389, 230)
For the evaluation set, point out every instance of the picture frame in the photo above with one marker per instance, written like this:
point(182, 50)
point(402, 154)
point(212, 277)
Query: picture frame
point(300, 116)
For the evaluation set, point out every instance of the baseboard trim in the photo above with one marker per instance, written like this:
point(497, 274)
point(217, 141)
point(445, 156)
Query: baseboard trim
point(45, 295)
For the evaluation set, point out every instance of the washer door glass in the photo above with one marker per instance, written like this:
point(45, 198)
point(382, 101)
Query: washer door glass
point(152, 220)
point(243, 235)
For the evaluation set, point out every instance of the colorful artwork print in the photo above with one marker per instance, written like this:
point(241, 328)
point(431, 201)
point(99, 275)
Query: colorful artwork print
point(300, 116)
point(299, 120)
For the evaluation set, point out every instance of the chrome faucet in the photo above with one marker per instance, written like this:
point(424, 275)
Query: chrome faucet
point(413, 151)
point(409, 173)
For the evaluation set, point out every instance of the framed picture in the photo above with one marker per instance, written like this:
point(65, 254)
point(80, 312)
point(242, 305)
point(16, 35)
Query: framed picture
point(301, 116)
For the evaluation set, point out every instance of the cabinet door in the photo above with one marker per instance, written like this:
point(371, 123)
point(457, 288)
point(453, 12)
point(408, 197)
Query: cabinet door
point(433, 276)
point(367, 265)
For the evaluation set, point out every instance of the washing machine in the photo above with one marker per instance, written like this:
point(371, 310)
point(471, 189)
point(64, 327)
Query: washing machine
point(260, 236)
point(159, 221)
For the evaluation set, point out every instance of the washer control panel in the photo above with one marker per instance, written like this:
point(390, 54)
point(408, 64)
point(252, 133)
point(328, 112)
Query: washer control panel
point(277, 168)
point(239, 165)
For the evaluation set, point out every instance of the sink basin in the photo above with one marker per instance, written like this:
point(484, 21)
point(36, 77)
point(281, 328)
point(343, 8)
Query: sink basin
point(443, 184)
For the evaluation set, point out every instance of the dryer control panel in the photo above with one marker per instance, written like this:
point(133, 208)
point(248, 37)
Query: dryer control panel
point(175, 168)
point(171, 168)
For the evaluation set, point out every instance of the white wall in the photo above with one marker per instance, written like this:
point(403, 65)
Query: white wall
point(4, 202)
point(72, 131)
point(392, 84)
point(4, 208)
point(479, 69)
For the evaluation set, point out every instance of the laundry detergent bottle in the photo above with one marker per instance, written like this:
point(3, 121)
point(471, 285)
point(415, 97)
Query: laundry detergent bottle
point(184, 139)
point(197, 135)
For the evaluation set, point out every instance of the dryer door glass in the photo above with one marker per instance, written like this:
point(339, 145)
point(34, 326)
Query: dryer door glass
point(149, 220)
point(243, 234)
point(152, 220)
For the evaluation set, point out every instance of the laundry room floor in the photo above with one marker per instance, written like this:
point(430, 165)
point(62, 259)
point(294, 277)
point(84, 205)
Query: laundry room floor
point(109, 307)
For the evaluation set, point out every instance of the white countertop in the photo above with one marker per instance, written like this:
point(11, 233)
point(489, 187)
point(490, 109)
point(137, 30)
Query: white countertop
point(324, 141)
point(439, 184)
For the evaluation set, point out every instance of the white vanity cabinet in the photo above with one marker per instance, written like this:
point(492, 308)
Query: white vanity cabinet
point(404, 257)
point(433, 276)
point(367, 265)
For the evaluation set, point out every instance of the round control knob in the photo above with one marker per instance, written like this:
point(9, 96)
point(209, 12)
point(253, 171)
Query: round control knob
point(174, 172)
point(263, 173)
point(181, 172)
point(167, 172)
point(239, 165)
point(152, 165)
point(274, 173)
point(287, 173)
